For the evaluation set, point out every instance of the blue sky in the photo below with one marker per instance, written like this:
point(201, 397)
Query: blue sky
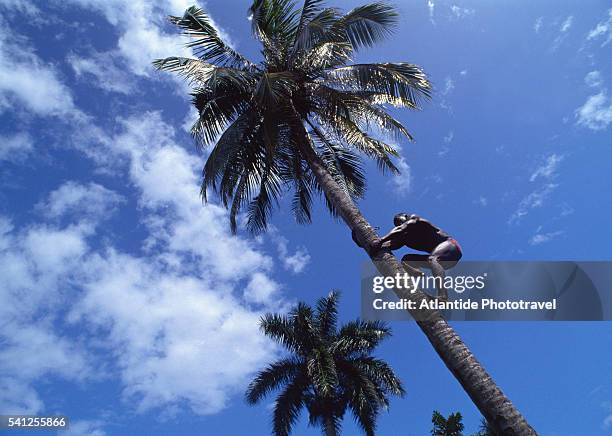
point(126, 304)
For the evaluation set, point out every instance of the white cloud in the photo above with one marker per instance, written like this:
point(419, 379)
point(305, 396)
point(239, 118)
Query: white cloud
point(449, 137)
point(24, 7)
point(567, 24)
point(547, 171)
point(541, 238)
point(296, 262)
point(533, 200)
point(602, 30)
point(430, 6)
point(32, 263)
point(261, 289)
point(596, 112)
point(482, 201)
point(563, 33)
point(103, 70)
point(18, 398)
point(141, 24)
point(158, 320)
point(15, 148)
point(92, 200)
point(84, 428)
point(593, 79)
point(402, 182)
point(27, 82)
point(549, 168)
point(170, 331)
point(449, 85)
point(460, 12)
point(538, 24)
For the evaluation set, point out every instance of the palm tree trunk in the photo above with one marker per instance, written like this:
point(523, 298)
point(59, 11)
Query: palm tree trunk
point(486, 395)
point(329, 427)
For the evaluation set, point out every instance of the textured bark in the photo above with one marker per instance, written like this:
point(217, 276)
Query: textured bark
point(329, 427)
point(497, 409)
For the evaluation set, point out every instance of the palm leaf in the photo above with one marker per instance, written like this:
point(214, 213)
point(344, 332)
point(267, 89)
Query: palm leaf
point(273, 376)
point(402, 82)
point(366, 25)
point(207, 43)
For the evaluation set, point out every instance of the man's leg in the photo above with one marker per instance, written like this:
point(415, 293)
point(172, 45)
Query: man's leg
point(438, 272)
point(444, 255)
point(412, 263)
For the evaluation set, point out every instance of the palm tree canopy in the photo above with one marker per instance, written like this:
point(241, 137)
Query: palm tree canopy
point(451, 426)
point(304, 91)
point(330, 370)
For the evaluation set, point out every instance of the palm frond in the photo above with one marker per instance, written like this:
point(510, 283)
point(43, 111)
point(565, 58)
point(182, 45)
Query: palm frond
point(261, 207)
point(205, 74)
point(215, 114)
point(206, 43)
point(272, 88)
point(402, 82)
point(224, 161)
point(367, 115)
point(324, 55)
point(274, 19)
point(272, 377)
point(349, 132)
point(381, 373)
point(360, 337)
point(314, 24)
point(366, 25)
point(322, 373)
point(327, 315)
point(343, 165)
point(288, 405)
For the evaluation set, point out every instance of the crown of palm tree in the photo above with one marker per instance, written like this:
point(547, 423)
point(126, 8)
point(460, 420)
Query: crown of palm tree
point(304, 91)
point(330, 370)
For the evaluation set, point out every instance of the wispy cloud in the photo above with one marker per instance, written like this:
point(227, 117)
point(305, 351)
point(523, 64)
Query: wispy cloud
point(549, 169)
point(431, 5)
point(603, 30)
point(91, 200)
point(27, 82)
point(567, 24)
point(84, 427)
point(402, 183)
point(596, 112)
point(593, 79)
point(533, 200)
point(295, 262)
point(449, 137)
point(482, 201)
point(449, 85)
point(459, 12)
point(546, 171)
point(563, 32)
point(104, 70)
point(538, 24)
point(541, 238)
point(16, 147)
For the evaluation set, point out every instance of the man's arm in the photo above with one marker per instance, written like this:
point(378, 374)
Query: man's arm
point(394, 239)
point(395, 231)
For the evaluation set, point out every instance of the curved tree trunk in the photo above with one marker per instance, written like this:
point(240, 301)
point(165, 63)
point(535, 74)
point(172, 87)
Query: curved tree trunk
point(497, 409)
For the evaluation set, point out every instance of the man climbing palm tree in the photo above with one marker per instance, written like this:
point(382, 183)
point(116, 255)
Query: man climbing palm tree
point(419, 234)
point(299, 120)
